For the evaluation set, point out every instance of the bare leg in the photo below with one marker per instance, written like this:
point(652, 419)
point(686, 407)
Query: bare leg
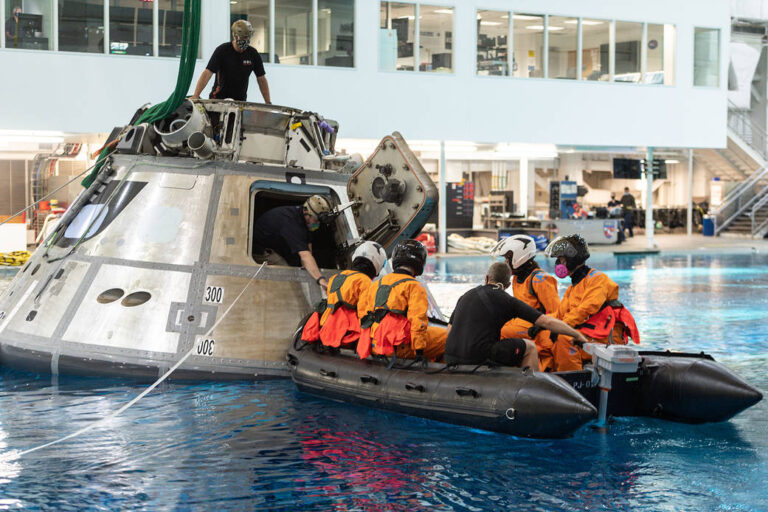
point(531, 357)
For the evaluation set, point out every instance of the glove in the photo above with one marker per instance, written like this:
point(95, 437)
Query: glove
point(420, 353)
point(534, 331)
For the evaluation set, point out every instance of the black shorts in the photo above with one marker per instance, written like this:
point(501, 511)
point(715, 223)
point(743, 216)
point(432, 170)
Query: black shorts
point(508, 352)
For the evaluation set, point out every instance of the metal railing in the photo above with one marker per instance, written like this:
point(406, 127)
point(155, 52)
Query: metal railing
point(740, 121)
point(758, 206)
point(745, 195)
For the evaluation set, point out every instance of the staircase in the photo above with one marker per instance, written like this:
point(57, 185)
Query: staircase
point(744, 209)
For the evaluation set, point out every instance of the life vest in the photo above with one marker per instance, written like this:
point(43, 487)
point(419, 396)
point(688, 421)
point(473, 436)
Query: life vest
point(601, 324)
point(342, 326)
point(391, 326)
point(533, 293)
point(311, 331)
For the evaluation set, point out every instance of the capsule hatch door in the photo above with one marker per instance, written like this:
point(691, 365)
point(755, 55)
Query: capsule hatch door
point(395, 196)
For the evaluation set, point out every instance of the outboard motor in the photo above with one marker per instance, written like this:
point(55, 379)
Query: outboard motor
point(607, 360)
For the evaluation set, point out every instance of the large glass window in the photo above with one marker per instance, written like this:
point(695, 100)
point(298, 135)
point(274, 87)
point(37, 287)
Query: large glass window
point(660, 60)
point(293, 32)
point(435, 39)
point(563, 47)
point(596, 40)
point(397, 35)
point(81, 26)
point(336, 33)
point(171, 23)
point(28, 26)
point(528, 45)
point(629, 36)
point(492, 44)
point(257, 12)
point(130, 27)
point(706, 57)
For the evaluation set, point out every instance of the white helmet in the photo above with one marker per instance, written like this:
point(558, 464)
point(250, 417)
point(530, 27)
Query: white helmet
point(372, 252)
point(516, 249)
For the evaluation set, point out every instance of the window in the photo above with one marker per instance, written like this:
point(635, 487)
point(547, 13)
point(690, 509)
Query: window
point(435, 39)
point(596, 40)
point(257, 12)
point(706, 57)
point(492, 39)
point(397, 35)
point(528, 45)
point(130, 27)
point(563, 47)
point(81, 26)
point(293, 32)
point(171, 18)
point(336, 33)
point(660, 60)
point(629, 36)
point(28, 26)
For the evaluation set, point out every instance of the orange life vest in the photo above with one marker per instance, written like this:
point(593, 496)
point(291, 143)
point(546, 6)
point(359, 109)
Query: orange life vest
point(612, 314)
point(341, 326)
point(311, 331)
point(392, 326)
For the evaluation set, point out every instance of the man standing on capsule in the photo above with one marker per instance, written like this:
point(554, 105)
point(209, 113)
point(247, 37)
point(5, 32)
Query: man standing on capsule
point(233, 62)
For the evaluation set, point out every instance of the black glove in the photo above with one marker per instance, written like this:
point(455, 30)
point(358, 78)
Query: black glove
point(420, 353)
point(534, 331)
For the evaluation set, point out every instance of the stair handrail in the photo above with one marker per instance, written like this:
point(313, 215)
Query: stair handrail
point(732, 206)
point(755, 208)
point(741, 114)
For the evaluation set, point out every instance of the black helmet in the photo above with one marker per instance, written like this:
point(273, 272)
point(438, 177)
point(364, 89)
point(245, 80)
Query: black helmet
point(410, 253)
point(573, 247)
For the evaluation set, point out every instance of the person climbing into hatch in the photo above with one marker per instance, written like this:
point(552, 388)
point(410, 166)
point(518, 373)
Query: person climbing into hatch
point(232, 63)
point(336, 322)
point(590, 304)
point(534, 287)
point(473, 332)
point(395, 321)
point(281, 235)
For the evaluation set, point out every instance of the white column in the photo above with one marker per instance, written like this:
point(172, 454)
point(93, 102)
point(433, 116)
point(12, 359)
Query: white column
point(2, 23)
point(106, 27)
point(417, 38)
point(55, 27)
point(689, 214)
point(271, 31)
point(579, 63)
point(524, 186)
point(441, 210)
point(545, 44)
point(314, 33)
point(649, 199)
point(156, 29)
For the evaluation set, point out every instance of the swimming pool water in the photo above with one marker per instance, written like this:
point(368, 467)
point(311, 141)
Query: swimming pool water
point(265, 446)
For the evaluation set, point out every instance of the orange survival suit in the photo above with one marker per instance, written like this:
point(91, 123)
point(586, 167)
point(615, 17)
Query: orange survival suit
point(591, 305)
point(538, 290)
point(336, 322)
point(396, 319)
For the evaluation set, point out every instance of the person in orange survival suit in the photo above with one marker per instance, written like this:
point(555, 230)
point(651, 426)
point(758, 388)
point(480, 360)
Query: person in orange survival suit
point(535, 288)
point(335, 321)
point(590, 304)
point(396, 311)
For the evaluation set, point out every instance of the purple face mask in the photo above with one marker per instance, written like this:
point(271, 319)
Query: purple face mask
point(561, 271)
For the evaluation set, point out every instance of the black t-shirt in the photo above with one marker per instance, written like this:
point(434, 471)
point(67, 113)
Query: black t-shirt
point(233, 70)
point(477, 321)
point(283, 230)
point(628, 201)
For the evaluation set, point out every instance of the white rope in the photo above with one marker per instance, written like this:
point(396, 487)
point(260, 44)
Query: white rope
point(140, 396)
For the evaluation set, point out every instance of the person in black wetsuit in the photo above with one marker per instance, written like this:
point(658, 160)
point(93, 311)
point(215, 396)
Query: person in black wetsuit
point(233, 62)
point(473, 332)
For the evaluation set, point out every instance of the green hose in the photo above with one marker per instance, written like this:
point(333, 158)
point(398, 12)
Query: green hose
point(190, 39)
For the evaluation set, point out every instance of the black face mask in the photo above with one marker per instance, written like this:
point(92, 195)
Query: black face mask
point(17, 13)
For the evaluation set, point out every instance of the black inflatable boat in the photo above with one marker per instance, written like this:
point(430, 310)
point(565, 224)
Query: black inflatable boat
point(682, 387)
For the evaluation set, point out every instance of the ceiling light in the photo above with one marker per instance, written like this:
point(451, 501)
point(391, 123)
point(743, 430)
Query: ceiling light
point(671, 161)
point(584, 22)
point(541, 27)
point(490, 23)
point(443, 11)
point(406, 18)
point(526, 17)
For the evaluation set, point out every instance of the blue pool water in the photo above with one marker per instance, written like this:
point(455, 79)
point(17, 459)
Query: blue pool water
point(247, 446)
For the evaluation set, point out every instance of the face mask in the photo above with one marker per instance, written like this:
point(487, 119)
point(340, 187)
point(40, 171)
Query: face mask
point(313, 226)
point(242, 44)
point(561, 271)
